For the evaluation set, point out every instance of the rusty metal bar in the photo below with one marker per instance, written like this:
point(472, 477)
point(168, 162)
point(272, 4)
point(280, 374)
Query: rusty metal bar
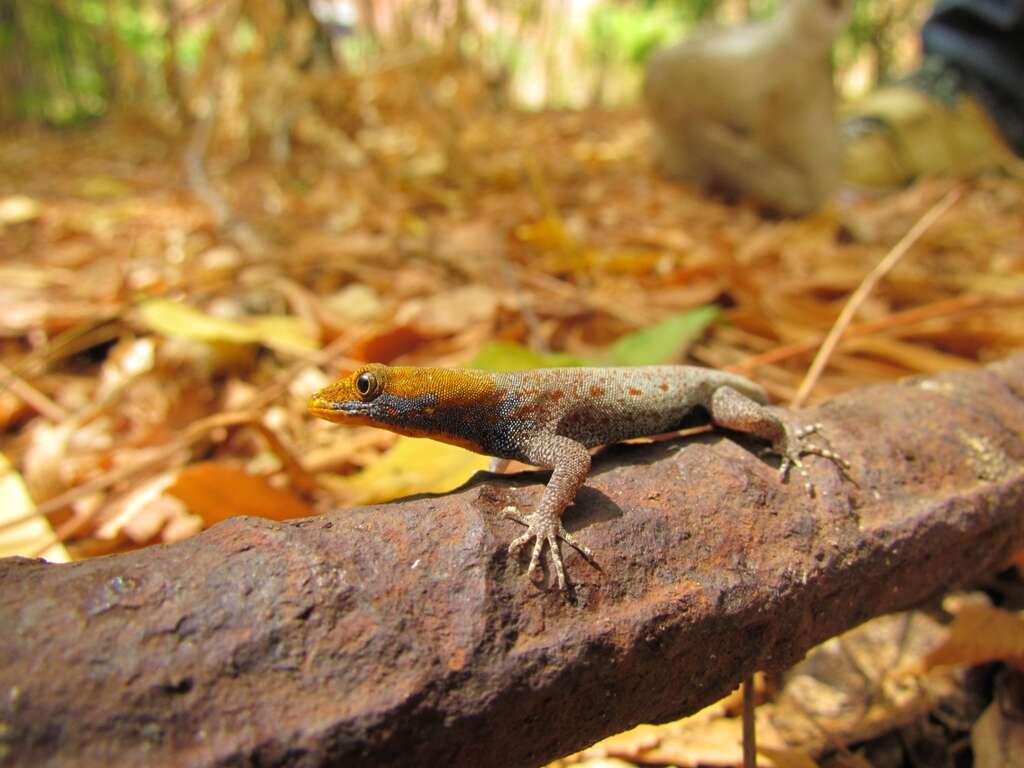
point(402, 634)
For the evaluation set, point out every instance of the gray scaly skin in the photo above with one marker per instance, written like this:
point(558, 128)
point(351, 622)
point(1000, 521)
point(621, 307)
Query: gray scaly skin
point(549, 417)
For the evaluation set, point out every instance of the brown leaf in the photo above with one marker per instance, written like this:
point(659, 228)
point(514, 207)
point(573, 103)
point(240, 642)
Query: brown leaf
point(22, 532)
point(385, 345)
point(143, 510)
point(788, 758)
point(449, 312)
point(978, 634)
point(216, 491)
point(997, 737)
point(1018, 561)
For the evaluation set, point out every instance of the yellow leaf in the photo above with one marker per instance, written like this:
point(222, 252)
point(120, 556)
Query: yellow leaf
point(102, 188)
point(788, 758)
point(216, 491)
point(979, 634)
point(629, 744)
point(172, 318)
point(31, 534)
point(563, 251)
point(18, 209)
point(413, 465)
point(548, 233)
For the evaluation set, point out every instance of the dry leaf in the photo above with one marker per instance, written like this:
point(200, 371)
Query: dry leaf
point(17, 209)
point(181, 527)
point(715, 743)
point(138, 513)
point(450, 312)
point(980, 634)
point(355, 303)
point(1018, 561)
point(174, 319)
point(787, 758)
point(847, 690)
point(997, 737)
point(32, 536)
point(855, 687)
point(628, 744)
point(45, 459)
point(217, 491)
point(127, 360)
point(384, 345)
point(13, 410)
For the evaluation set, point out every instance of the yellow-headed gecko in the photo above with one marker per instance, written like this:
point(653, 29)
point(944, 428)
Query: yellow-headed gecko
point(549, 417)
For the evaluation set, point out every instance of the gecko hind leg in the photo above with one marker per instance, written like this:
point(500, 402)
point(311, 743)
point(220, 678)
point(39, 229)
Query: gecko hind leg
point(792, 459)
point(733, 410)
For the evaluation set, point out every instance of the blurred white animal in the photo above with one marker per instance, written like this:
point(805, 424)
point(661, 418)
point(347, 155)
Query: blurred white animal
point(750, 109)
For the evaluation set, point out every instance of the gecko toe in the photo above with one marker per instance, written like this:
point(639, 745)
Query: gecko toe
point(793, 446)
point(538, 550)
point(572, 541)
point(556, 560)
point(518, 543)
point(543, 530)
point(512, 513)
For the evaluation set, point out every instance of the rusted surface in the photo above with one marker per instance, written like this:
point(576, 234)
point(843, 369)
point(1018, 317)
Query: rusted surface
point(402, 635)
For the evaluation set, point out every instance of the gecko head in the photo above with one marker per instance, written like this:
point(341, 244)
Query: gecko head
point(355, 399)
point(446, 404)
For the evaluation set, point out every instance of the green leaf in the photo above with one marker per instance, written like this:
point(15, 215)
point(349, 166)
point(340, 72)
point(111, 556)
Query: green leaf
point(665, 342)
point(507, 356)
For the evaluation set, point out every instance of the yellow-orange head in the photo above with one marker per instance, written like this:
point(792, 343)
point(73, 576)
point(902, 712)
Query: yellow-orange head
point(443, 403)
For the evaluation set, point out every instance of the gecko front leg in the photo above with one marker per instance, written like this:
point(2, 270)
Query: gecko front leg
point(733, 410)
point(571, 463)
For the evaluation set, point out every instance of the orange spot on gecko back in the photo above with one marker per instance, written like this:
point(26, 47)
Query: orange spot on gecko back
point(635, 391)
point(596, 391)
point(663, 387)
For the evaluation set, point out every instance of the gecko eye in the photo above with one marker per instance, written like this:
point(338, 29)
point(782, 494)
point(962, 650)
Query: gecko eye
point(367, 385)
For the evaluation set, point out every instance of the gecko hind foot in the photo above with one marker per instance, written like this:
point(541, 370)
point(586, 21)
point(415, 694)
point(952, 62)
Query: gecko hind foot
point(795, 447)
point(544, 529)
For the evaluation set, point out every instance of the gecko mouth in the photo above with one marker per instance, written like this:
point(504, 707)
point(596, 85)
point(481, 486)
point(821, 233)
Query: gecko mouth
point(332, 409)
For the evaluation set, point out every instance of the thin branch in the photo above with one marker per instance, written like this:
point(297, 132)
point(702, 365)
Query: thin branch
point(31, 396)
point(883, 268)
point(749, 723)
point(944, 308)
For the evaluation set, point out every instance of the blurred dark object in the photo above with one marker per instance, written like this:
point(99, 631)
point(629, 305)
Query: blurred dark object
point(960, 113)
point(927, 124)
point(984, 40)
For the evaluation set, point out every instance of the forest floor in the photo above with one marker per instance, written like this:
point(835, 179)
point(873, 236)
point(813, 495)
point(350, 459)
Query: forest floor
point(162, 329)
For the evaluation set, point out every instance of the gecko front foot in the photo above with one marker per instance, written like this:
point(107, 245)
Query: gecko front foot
point(543, 528)
point(792, 447)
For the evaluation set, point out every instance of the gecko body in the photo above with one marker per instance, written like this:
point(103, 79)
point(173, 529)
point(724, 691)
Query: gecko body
point(549, 417)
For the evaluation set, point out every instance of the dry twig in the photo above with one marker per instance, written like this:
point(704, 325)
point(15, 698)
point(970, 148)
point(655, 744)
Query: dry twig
point(889, 261)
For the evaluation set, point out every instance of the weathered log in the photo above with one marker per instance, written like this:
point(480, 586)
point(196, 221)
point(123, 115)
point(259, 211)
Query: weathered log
point(402, 634)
